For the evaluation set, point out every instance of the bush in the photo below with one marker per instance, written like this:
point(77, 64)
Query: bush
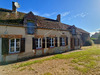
point(89, 43)
point(94, 39)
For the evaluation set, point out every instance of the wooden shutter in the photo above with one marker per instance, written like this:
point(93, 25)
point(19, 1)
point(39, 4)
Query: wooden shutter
point(5, 46)
point(60, 41)
point(66, 40)
point(22, 45)
point(56, 42)
point(34, 43)
point(78, 42)
point(74, 42)
point(43, 43)
point(48, 42)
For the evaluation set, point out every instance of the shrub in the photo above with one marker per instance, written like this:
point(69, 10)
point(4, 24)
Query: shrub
point(93, 39)
point(89, 43)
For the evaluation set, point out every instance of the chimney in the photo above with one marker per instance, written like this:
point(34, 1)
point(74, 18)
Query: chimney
point(14, 9)
point(58, 17)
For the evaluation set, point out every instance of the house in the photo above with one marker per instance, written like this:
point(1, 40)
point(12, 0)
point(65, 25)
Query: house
point(27, 35)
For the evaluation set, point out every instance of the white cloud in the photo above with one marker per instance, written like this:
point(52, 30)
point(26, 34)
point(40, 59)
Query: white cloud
point(81, 15)
point(65, 14)
point(48, 15)
point(63, 19)
point(98, 29)
point(92, 33)
point(35, 13)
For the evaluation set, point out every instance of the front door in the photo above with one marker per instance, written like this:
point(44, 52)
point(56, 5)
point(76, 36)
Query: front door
point(72, 43)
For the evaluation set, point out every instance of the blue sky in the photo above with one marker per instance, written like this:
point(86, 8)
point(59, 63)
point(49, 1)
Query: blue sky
point(84, 14)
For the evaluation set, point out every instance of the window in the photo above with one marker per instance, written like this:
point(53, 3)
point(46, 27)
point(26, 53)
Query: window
point(14, 45)
point(63, 41)
point(73, 31)
point(51, 42)
point(30, 28)
point(38, 43)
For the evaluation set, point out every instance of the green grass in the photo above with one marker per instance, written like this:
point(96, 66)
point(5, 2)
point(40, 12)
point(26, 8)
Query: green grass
point(87, 58)
point(31, 69)
point(47, 73)
point(22, 69)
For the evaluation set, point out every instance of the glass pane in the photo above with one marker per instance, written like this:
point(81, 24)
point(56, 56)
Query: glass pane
point(52, 44)
point(12, 44)
point(12, 49)
point(12, 40)
point(17, 49)
point(30, 27)
point(17, 43)
point(63, 44)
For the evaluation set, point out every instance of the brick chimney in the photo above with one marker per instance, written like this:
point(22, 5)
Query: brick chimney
point(14, 9)
point(58, 17)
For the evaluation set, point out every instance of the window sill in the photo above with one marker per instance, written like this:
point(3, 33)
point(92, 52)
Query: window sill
point(39, 48)
point(52, 47)
point(13, 53)
point(63, 46)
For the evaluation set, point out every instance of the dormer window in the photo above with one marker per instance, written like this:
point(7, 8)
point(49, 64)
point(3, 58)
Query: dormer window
point(73, 31)
point(30, 28)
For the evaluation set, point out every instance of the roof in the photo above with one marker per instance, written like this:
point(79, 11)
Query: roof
point(50, 23)
point(8, 17)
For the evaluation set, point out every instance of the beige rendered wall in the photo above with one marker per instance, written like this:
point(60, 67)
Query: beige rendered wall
point(11, 30)
point(29, 52)
point(58, 33)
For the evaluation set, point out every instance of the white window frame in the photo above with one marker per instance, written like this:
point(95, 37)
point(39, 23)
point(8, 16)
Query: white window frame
point(51, 42)
point(63, 41)
point(39, 43)
point(14, 46)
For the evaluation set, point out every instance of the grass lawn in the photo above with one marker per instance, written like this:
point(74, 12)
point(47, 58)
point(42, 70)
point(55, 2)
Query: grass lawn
point(79, 62)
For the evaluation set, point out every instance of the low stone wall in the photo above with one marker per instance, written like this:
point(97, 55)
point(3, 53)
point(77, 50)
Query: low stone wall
point(46, 51)
point(36, 53)
point(77, 47)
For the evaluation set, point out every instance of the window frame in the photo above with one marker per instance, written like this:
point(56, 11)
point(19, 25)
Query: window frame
point(51, 42)
point(73, 31)
point(15, 47)
point(39, 43)
point(63, 41)
point(32, 27)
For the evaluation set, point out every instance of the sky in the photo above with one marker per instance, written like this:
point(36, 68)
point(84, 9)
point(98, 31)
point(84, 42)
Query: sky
point(83, 14)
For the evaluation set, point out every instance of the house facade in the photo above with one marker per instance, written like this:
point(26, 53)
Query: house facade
point(27, 35)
